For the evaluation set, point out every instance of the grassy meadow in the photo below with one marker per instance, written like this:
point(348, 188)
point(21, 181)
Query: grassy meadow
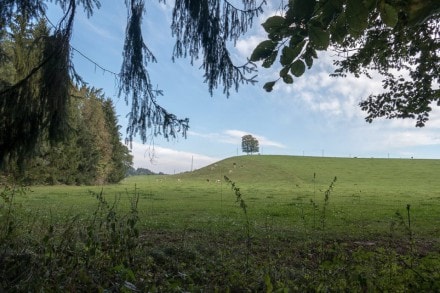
point(276, 223)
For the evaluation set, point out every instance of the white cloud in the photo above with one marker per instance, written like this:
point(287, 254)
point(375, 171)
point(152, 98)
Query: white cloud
point(337, 101)
point(397, 135)
point(332, 106)
point(234, 136)
point(412, 138)
point(330, 96)
point(246, 46)
point(166, 160)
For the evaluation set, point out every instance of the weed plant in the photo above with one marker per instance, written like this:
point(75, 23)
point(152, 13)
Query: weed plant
point(326, 203)
point(186, 237)
point(78, 255)
point(243, 206)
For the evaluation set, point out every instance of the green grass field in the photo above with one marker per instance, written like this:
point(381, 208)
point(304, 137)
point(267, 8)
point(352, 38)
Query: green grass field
point(381, 215)
point(280, 189)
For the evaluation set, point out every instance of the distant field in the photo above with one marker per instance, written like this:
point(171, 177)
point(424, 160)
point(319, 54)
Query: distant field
point(278, 190)
point(376, 230)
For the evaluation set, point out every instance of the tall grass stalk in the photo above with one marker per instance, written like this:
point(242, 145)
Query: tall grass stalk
point(243, 206)
point(326, 203)
point(410, 234)
point(314, 200)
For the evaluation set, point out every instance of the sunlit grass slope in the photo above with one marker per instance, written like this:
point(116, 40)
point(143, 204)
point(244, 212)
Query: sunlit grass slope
point(285, 191)
point(273, 170)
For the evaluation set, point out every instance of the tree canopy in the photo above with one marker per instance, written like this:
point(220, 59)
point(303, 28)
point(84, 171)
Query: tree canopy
point(249, 144)
point(201, 28)
point(90, 151)
point(398, 39)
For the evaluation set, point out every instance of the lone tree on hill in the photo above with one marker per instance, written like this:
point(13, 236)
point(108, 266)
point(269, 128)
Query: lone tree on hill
point(249, 144)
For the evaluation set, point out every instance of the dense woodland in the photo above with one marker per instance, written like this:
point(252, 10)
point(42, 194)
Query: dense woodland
point(89, 151)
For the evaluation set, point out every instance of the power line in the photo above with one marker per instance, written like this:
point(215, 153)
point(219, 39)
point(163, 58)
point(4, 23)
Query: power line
point(97, 65)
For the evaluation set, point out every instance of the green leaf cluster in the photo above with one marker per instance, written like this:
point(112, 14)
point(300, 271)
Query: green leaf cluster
point(385, 36)
point(249, 144)
point(89, 151)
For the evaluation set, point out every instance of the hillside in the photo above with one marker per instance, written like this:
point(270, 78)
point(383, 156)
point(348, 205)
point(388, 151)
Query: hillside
point(273, 169)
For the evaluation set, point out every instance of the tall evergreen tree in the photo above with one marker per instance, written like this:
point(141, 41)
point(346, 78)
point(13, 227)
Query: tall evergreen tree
point(92, 152)
point(29, 103)
point(121, 160)
point(202, 28)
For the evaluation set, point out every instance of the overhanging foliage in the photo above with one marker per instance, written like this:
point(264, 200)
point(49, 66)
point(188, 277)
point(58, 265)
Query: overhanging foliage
point(202, 29)
point(398, 39)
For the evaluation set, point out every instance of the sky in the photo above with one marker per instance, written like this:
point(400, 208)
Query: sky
point(317, 115)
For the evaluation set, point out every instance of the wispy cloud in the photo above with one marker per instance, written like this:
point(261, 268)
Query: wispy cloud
point(236, 135)
point(332, 96)
point(246, 46)
point(99, 32)
point(166, 160)
point(233, 136)
point(395, 136)
point(413, 138)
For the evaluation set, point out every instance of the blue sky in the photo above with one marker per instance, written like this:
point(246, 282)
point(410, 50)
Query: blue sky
point(316, 115)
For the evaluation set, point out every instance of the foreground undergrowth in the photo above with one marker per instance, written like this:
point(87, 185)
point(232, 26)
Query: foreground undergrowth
point(109, 251)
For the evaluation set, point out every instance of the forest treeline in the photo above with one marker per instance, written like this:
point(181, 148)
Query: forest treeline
point(141, 171)
point(89, 149)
